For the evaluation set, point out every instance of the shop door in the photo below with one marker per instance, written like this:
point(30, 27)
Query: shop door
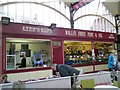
point(57, 52)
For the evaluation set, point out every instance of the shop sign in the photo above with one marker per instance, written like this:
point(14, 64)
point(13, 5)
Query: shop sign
point(35, 29)
point(82, 33)
point(73, 33)
point(88, 34)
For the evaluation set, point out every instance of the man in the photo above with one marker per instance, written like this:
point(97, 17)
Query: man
point(65, 70)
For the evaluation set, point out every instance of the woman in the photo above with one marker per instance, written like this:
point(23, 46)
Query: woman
point(112, 60)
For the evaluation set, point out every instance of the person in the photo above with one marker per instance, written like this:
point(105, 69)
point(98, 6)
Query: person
point(12, 49)
point(112, 60)
point(65, 70)
point(4, 79)
point(37, 60)
point(23, 61)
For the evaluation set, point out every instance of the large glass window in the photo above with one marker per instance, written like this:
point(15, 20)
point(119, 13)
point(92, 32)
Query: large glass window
point(27, 53)
point(77, 52)
point(102, 50)
point(81, 52)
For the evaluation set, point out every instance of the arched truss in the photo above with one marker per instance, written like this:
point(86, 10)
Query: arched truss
point(96, 16)
point(119, 24)
point(39, 3)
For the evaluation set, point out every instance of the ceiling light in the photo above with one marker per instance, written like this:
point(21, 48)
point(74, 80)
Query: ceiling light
point(53, 25)
point(5, 20)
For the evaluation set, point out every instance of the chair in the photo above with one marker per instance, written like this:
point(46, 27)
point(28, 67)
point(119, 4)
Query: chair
point(116, 83)
point(88, 83)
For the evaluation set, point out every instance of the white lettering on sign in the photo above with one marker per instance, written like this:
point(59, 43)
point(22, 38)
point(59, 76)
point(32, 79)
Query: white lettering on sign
point(35, 29)
point(29, 29)
point(90, 34)
point(100, 35)
point(81, 33)
point(46, 30)
point(95, 34)
point(71, 33)
point(111, 36)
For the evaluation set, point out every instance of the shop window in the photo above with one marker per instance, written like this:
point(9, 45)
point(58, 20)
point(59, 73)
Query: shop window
point(27, 48)
point(102, 50)
point(77, 52)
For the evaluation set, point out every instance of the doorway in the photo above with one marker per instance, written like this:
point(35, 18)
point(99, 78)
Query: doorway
point(58, 52)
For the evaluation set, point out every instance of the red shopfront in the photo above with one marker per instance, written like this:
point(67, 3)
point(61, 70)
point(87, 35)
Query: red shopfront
point(51, 44)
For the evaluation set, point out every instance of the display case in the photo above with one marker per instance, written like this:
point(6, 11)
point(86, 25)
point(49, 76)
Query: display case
point(10, 62)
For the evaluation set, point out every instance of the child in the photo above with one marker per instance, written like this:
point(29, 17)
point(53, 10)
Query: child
point(4, 79)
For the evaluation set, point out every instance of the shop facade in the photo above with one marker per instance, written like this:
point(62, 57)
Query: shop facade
point(43, 46)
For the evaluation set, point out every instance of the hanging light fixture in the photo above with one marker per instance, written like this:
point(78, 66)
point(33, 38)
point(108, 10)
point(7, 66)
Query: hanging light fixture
point(5, 20)
point(53, 25)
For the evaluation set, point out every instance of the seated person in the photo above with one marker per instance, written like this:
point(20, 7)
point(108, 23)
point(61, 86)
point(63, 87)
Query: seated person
point(4, 78)
point(37, 60)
